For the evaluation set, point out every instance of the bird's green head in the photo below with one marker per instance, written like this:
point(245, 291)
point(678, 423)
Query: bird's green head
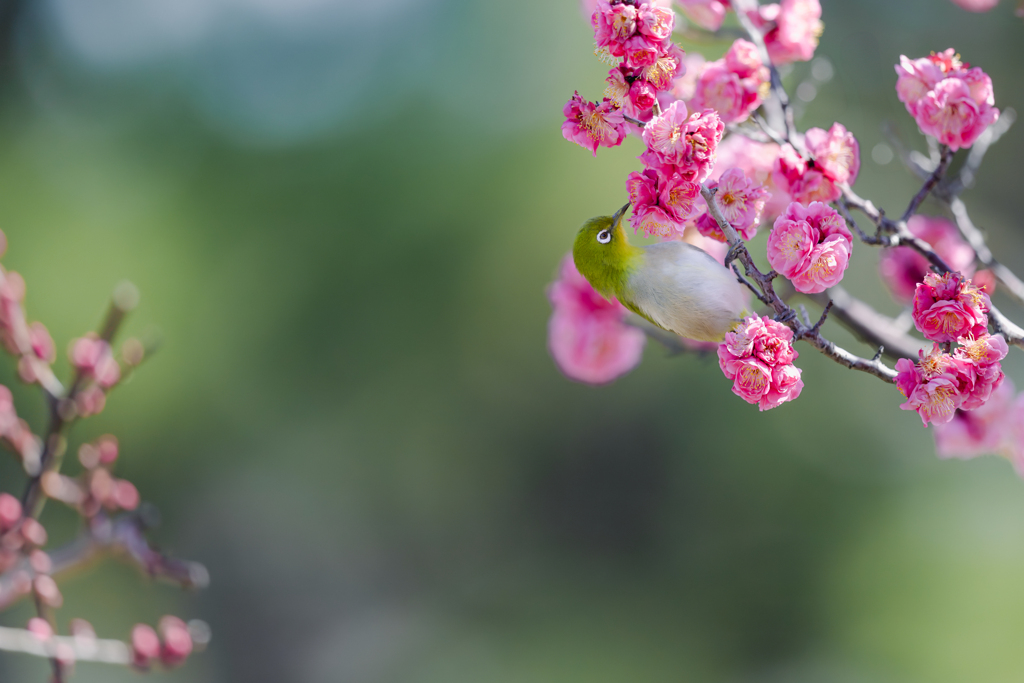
point(603, 254)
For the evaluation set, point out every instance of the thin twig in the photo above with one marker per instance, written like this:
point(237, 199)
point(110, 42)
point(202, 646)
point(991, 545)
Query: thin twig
point(940, 171)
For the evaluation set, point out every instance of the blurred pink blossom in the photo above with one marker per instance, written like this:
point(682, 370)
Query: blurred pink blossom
point(902, 268)
point(587, 335)
point(756, 160)
point(791, 29)
point(177, 641)
point(835, 160)
point(707, 14)
point(977, 5)
point(735, 85)
point(947, 307)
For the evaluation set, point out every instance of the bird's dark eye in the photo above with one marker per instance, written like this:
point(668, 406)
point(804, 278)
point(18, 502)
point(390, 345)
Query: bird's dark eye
point(604, 237)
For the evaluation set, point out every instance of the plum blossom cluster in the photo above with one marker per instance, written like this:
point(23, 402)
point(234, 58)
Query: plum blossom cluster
point(637, 37)
point(834, 160)
point(790, 29)
point(941, 383)
point(949, 100)
point(811, 246)
point(106, 505)
point(587, 335)
point(704, 187)
point(735, 85)
point(680, 155)
point(758, 357)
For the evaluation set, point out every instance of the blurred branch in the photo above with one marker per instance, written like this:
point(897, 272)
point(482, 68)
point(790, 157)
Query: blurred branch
point(125, 534)
point(76, 647)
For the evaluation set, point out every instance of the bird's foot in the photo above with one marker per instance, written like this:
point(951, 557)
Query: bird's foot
point(733, 253)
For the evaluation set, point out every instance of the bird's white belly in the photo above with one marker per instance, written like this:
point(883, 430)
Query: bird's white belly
point(683, 289)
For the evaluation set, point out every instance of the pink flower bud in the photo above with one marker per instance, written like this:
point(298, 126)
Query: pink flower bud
point(145, 646)
point(46, 588)
point(40, 628)
point(33, 532)
point(40, 562)
point(42, 342)
point(10, 511)
point(177, 641)
point(126, 495)
point(108, 449)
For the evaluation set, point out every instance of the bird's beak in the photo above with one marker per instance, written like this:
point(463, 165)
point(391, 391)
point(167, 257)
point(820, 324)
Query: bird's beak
point(617, 218)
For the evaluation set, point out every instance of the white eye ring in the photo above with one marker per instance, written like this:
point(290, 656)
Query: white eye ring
point(604, 237)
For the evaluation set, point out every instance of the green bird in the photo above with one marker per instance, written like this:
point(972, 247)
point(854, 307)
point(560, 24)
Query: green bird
point(675, 285)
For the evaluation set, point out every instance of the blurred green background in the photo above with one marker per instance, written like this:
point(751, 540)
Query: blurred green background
point(342, 217)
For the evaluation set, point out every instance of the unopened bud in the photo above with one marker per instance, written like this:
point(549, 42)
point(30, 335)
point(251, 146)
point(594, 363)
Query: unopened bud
point(177, 641)
point(46, 588)
point(145, 646)
point(40, 628)
point(33, 532)
point(10, 511)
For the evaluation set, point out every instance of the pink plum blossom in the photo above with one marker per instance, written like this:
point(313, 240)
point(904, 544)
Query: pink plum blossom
point(758, 356)
point(985, 353)
point(741, 200)
point(835, 160)
point(791, 29)
point(756, 160)
point(614, 25)
point(591, 125)
point(947, 307)
point(997, 427)
point(735, 85)
point(586, 333)
point(936, 386)
point(811, 246)
point(687, 142)
point(661, 205)
point(707, 14)
point(949, 101)
point(902, 268)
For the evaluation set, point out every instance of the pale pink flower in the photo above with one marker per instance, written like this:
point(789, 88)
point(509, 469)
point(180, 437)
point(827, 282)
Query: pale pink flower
point(950, 114)
point(835, 152)
point(902, 268)
point(735, 85)
point(827, 264)
point(684, 85)
point(758, 357)
point(591, 125)
point(586, 333)
point(790, 244)
point(947, 307)
point(657, 23)
point(707, 14)
point(741, 199)
point(986, 429)
point(688, 142)
point(791, 29)
point(977, 5)
point(756, 160)
point(949, 100)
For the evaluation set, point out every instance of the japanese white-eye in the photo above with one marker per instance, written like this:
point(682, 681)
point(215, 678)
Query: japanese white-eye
point(675, 285)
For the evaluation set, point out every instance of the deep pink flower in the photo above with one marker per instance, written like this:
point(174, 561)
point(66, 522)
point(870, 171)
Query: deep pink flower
point(758, 357)
point(586, 333)
point(678, 197)
point(660, 205)
point(705, 13)
point(641, 51)
point(985, 353)
point(689, 143)
point(741, 199)
point(936, 386)
point(591, 125)
point(947, 307)
point(902, 268)
point(950, 101)
point(670, 65)
point(642, 95)
point(613, 26)
point(811, 246)
point(801, 182)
